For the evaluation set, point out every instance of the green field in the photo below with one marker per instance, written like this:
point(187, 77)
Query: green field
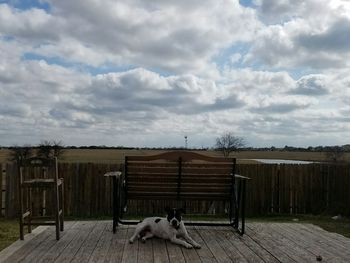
point(117, 155)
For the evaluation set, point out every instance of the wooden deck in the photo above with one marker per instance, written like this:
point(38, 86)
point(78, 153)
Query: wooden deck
point(93, 241)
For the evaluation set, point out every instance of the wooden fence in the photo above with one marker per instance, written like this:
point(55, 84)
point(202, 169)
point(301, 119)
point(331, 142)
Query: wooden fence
point(285, 188)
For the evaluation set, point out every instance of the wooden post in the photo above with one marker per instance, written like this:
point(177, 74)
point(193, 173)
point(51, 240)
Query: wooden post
point(179, 178)
point(2, 175)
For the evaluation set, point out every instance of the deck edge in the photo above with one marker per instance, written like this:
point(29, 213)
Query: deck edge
point(11, 249)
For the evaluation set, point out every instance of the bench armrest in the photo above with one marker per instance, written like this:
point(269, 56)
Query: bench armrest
point(111, 174)
point(242, 177)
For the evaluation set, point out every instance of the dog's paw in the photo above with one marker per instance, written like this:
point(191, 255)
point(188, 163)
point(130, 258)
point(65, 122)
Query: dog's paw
point(189, 246)
point(143, 240)
point(197, 246)
point(131, 241)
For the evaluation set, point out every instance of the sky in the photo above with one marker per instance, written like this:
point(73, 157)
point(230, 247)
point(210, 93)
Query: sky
point(148, 73)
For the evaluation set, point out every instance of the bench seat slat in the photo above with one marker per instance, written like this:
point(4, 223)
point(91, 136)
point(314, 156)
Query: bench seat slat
point(141, 188)
point(166, 195)
point(166, 170)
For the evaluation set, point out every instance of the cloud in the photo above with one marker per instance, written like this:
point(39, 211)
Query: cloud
point(333, 39)
point(279, 10)
point(31, 25)
point(279, 107)
point(172, 36)
point(312, 85)
point(148, 72)
point(140, 90)
point(313, 38)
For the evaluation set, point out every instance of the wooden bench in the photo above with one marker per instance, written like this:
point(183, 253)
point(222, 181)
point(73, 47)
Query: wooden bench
point(180, 176)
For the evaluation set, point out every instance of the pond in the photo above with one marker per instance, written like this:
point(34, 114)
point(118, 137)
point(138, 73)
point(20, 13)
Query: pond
point(279, 161)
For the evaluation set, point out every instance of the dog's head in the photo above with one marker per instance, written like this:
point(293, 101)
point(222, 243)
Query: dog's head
point(174, 216)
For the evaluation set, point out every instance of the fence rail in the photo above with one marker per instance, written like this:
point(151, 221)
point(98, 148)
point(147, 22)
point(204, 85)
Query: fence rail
point(286, 188)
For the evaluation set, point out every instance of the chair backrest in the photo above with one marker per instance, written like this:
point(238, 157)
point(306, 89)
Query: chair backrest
point(39, 167)
point(179, 175)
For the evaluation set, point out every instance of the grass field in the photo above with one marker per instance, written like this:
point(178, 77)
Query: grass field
point(117, 156)
point(9, 232)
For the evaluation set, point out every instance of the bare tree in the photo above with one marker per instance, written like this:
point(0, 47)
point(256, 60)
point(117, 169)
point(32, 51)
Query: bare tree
point(228, 143)
point(19, 153)
point(50, 149)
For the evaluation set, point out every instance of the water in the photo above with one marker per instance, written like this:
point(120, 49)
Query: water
point(279, 161)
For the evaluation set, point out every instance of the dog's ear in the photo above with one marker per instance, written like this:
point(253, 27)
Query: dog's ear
point(167, 209)
point(182, 210)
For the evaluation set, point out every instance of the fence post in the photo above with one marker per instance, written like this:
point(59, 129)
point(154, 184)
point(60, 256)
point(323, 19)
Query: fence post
point(2, 175)
point(11, 193)
point(278, 188)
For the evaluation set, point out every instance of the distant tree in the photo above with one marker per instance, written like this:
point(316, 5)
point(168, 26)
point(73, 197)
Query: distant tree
point(19, 153)
point(50, 149)
point(228, 143)
point(335, 154)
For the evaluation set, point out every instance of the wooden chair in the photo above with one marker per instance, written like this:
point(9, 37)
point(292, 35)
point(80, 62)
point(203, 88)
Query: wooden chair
point(40, 175)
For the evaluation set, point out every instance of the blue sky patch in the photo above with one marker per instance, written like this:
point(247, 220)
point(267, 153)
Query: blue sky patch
point(28, 4)
point(246, 3)
point(224, 57)
point(104, 69)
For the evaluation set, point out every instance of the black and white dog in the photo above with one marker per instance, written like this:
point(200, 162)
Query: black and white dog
point(171, 227)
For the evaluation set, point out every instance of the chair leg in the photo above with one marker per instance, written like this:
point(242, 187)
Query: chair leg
point(57, 215)
point(30, 207)
point(115, 204)
point(62, 206)
point(21, 223)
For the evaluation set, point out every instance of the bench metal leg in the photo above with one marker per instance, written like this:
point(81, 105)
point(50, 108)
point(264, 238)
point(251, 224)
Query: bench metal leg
point(239, 208)
point(115, 204)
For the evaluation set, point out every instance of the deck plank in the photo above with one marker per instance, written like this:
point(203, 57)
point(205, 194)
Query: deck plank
point(190, 255)
point(307, 244)
point(50, 249)
point(102, 247)
point(145, 253)
point(263, 253)
point(320, 245)
point(94, 241)
point(174, 253)
point(293, 249)
point(265, 239)
point(213, 244)
point(227, 239)
point(37, 246)
point(340, 246)
point(204, 253)
point(116, 248)
point(88, 246)
point(29, 247)
point(84, 229)
point(160, 254)
point(130, 250)
point(334, 237)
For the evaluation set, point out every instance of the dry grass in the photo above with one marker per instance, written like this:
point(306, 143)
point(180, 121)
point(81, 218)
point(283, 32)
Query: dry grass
point(117, 156)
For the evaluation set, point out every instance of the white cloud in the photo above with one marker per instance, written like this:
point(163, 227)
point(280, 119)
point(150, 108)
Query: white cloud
point(282, 75)
point(171, 36)
point(314, 37)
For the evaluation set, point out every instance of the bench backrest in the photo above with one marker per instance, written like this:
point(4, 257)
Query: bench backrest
point(179, 175)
